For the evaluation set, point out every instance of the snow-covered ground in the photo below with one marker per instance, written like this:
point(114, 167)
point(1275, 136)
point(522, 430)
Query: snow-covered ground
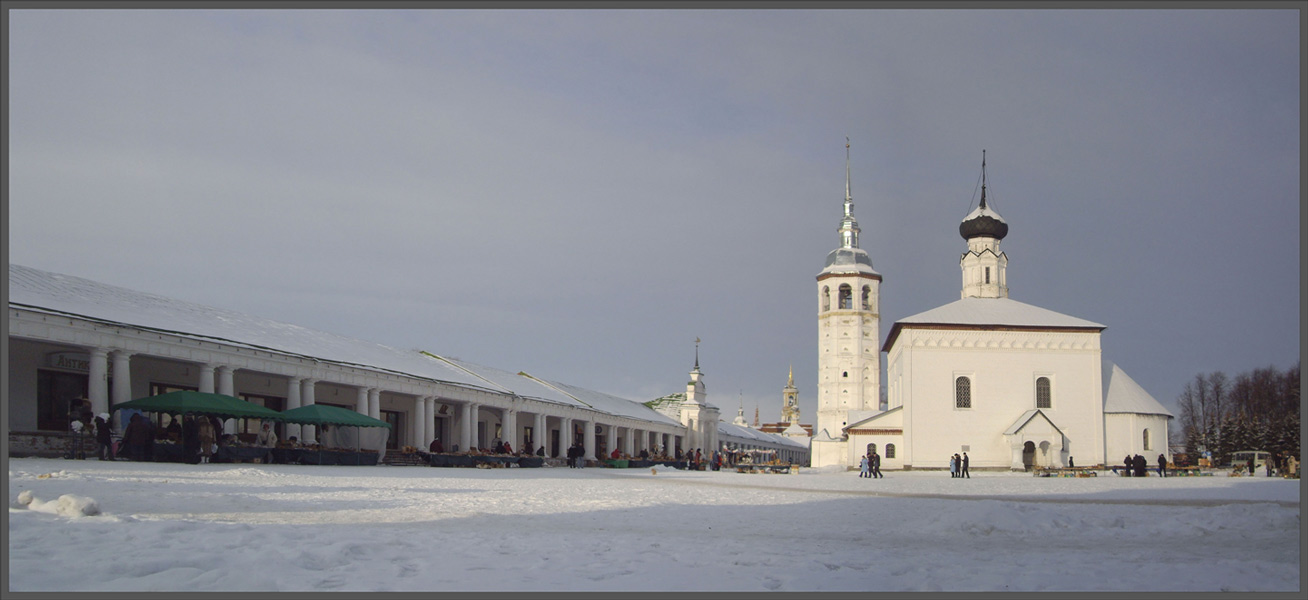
point(241, 527)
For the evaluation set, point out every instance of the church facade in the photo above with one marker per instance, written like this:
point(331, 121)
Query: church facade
point(1013, 385)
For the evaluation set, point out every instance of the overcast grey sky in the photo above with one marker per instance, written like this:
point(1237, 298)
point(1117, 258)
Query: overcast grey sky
point(580, 194)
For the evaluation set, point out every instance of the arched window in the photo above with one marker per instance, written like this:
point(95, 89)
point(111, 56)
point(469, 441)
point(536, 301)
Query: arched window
point(1146, 439)
point(962, 393)
point(1042, 393)
point(890, 450)
point(826, 298)
point(867, 295)
point(846, 297)
point(871, 449)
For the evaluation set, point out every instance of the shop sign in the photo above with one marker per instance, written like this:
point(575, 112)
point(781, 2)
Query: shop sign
point(72, 361)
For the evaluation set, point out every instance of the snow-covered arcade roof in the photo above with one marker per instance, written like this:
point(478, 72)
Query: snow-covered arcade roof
point(42, 291)
point(749, 433)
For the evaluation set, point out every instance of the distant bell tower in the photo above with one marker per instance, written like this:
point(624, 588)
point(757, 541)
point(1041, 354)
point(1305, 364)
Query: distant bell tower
point(849, 329)
point(698, 416)
point(790, 400)
point(984, 265)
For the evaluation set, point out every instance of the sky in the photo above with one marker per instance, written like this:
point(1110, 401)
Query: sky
point(309, 528)
point(581, 194)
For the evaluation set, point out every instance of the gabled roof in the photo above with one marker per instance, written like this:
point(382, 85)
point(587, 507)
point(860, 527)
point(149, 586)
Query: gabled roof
point(1026, 418)
point(795, 430)
point(872, 418)
point(979, 313)
point(1123, 395)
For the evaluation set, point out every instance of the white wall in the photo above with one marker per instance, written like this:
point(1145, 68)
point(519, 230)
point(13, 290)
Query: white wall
point(1124, 434)
point(1003, 367)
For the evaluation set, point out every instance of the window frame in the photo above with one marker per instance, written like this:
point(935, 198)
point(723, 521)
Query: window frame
point(1049, 391)
point(958, 396)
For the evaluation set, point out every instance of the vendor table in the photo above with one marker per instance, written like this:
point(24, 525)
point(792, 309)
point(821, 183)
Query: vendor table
point(169, 452)
point(305, 456)
point(468, 460)
point(243, 454)
point(755, 468)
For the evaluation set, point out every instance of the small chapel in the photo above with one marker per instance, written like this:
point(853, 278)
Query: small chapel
point(1014, 386)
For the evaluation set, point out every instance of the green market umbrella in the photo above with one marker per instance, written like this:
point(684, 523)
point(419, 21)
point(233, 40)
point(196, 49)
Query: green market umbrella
point(186, 402)
point(324, 414)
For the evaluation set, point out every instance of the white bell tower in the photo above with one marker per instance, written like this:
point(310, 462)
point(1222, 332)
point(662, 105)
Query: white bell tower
point(849, 337)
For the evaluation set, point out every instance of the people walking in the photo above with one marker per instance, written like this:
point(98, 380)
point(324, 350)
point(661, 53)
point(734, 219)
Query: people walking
point(965, 473)
point(875, 463)
point(864, 469)
point(953, 467)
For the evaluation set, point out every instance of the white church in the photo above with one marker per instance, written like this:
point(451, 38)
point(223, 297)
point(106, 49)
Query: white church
point(1013, 385)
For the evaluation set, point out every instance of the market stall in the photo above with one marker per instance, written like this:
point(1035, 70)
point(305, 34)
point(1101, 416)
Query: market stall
point(186, 403)
point(345, 437)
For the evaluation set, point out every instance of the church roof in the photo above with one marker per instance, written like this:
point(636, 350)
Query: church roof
point(969, 313)
point(42, 291)
point(1123, 395)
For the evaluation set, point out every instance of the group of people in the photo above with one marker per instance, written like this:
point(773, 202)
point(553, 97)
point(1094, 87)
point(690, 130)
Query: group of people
point(958, 466)
point(870, 466)
point(1138, 466)
point(577, 456)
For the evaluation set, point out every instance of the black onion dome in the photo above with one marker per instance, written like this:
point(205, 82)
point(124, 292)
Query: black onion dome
point(983, 222)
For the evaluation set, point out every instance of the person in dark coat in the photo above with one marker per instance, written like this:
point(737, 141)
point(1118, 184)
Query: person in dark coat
point(190, 440)
point(965, 473)
point(1141, 466)
point(572, 456)
point(1071, 464)
point(1250, 466)
point(135, 437)
point(1130, 465)
point(874, 462)
point(541, 451)
point(1162, 465)
point(104, 437)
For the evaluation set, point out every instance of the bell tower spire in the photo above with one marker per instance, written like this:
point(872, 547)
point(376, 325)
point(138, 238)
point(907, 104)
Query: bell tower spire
point(848, 225)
